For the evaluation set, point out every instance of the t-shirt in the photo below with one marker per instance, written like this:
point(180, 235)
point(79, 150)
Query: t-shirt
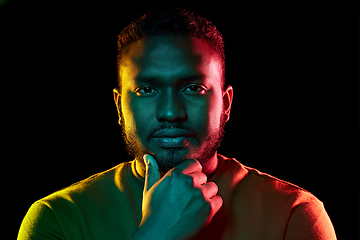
point(107, 205)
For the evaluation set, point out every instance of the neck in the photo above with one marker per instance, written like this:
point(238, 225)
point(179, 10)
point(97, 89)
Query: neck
point(209, 167)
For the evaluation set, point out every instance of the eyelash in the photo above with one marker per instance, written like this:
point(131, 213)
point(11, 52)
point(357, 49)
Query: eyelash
point(138, 90)
point(202, 90)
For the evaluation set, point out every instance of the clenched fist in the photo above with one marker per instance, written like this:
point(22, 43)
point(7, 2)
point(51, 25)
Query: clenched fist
point(179, 204)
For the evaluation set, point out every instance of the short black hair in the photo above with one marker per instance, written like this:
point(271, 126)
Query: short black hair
point(172, 21)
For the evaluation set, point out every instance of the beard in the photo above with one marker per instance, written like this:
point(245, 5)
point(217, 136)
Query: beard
point(206, 149)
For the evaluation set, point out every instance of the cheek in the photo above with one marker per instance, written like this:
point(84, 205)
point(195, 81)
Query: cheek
point(206, 115)
point(136, 115)
point(127, 110)
point(215, 112)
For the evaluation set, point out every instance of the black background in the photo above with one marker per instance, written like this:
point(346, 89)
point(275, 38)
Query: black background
point(291, 116)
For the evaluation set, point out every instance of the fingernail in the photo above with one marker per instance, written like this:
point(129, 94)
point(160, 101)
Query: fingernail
point(146, 159)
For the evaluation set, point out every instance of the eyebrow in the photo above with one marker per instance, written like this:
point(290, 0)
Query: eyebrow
point(192, 78)
point(181, 79)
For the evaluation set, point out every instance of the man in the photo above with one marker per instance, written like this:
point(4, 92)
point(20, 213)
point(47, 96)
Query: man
point(173, 103)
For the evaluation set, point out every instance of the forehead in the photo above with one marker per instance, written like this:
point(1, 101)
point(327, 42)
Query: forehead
point(169, 58)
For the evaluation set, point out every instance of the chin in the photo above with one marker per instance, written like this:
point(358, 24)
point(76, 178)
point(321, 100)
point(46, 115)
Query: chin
point(170, 158)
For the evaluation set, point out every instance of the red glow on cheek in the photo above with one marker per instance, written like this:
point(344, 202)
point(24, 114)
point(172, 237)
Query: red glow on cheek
point(214, 73)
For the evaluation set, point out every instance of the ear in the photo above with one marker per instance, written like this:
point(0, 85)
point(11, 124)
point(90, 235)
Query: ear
point(117, 99)
point(227, 101)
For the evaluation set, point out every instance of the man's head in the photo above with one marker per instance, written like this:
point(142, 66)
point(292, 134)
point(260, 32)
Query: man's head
point(171, 22)
point(171, 97)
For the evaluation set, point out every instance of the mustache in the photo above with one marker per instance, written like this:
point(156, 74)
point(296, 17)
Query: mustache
point(166, 125)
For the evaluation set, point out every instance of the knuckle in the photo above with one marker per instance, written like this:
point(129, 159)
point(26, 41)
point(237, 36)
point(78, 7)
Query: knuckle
point(176, 172)
point(207, 207)
point(205, 177)
point(200, 194)
point(188, 180)
point(197, 163)
point(213, 185)
point(191, 160)
point(182, 179)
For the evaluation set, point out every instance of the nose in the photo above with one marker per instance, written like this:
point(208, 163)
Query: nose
point(170, 108)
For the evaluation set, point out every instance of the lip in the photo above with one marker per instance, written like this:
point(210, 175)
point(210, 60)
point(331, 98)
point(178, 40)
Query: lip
point(169, 142)
point(172, 138)
point(172, 133)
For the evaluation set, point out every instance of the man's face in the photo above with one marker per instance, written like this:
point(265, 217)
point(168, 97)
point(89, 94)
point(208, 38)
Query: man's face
point(172, 102)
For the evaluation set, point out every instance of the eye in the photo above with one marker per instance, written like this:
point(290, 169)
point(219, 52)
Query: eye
point(195, 89)
point(145, 91)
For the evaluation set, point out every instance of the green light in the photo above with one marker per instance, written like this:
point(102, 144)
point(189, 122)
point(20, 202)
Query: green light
point(3, 2)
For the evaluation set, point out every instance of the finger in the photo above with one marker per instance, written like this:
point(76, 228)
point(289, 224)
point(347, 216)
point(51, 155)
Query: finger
point(152, 174)
point(215, 202)
point(209, 190)
point(199, 178)
point(190, 166)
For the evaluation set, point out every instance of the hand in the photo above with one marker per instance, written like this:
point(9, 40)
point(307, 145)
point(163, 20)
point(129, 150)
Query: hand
point(178, 205)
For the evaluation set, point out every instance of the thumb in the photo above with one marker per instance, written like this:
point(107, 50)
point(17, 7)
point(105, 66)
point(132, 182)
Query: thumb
point(152, 174)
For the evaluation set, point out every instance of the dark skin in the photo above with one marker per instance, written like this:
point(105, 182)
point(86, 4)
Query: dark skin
point(172, 105)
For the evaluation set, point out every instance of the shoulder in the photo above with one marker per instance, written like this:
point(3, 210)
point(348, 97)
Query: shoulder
point(31, 226)
point(262, 188)
point(274, 186)
point(64, 209)
point(93, 185)
point(267, 202)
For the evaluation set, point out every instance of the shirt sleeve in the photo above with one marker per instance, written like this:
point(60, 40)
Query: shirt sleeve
point(40, 223)
point(310, 221)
